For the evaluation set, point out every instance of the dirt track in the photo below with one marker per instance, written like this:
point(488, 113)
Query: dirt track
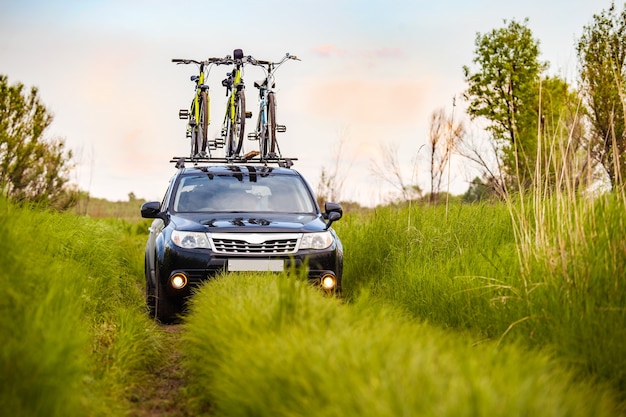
point(161, 393)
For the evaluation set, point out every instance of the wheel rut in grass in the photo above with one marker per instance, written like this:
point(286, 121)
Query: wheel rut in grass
point(161, 393)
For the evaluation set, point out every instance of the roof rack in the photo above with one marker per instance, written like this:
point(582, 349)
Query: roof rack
point(281, 162)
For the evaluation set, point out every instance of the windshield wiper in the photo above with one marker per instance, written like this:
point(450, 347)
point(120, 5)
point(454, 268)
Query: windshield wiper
point(260, 222)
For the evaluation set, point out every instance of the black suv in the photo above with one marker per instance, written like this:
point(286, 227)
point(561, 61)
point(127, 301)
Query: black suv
point(227, 218)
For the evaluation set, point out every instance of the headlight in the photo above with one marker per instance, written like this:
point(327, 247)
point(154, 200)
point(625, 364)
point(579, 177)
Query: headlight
point(320, 240)
point(190, 240)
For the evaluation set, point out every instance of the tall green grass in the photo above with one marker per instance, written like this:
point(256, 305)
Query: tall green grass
point(549, 273)
point(74, 337)
point(573, 257)
point(270, 345)
point(445, 265)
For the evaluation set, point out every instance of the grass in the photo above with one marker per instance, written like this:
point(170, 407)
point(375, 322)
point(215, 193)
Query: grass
point(573, 258)
point(554, 282)
point(513, 308)
point(100, 208)
point(74, 335)
point(271, 345)
point(443, 267)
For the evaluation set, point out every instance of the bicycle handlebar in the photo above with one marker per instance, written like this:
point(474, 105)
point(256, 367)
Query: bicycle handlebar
point(229, 60)
point(287, 56)
point(218, 61)
point(186, 61)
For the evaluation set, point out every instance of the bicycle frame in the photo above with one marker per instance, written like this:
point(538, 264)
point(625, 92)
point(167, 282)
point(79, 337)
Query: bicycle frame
point(235, 87)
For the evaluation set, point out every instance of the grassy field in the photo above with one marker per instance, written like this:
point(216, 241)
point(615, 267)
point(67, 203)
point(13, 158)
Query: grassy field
point(553, 278)
point(489, 309)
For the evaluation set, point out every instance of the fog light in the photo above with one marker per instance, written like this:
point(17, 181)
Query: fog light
point(328, 282)
point(178, 280)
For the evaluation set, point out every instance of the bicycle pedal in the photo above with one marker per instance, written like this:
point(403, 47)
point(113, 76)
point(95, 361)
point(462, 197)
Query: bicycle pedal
point(252, 136)
point(248, 115)
point(281, 128)
point(211, 144)
point(183, 114)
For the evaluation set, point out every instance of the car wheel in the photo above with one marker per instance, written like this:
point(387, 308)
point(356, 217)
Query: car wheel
point(150, 296)
point(164, 310)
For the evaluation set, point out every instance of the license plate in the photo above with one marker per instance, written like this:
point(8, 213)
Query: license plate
point(258, 265)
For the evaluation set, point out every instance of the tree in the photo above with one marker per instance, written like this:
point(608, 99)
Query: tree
point(31, 168)
point(503, 91)
point(479, 190)
point(444, 135)
point(390, 171)
point(601, 53)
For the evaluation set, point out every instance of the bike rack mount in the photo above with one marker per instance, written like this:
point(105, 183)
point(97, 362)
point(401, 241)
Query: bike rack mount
point(280, 161)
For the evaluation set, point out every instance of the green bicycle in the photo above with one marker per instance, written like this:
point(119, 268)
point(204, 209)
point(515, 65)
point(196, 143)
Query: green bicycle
point(235, 118)
point(198, 113)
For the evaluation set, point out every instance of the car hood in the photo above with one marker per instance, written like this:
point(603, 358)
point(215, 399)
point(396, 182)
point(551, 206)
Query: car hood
point(248, 222)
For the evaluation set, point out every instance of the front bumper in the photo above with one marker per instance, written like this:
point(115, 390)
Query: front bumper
point(199, 265)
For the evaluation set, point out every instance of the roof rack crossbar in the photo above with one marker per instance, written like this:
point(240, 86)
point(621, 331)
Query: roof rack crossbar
point(282, 162)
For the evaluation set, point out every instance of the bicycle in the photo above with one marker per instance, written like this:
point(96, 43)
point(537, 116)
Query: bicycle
point(198, 113)
point(266, 127)
point(234, 124)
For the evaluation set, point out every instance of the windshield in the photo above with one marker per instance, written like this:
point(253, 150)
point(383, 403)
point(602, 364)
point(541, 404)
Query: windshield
point(228, 193)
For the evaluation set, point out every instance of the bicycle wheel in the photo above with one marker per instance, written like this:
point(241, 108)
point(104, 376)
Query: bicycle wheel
point(237, 126)
point(192, 129)
point(261, 132)
point(271, 121)
point(203, 123)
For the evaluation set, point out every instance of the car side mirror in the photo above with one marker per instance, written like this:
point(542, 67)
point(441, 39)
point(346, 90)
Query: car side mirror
point(151, 210)
point(332, 212)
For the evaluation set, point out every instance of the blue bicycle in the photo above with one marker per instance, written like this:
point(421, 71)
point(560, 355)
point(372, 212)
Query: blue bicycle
point(266, 127)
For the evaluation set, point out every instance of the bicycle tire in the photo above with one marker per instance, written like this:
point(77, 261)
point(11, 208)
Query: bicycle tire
point(237, 127)
point(204, 121)
point(195, 127)
point(271, 120)
point(261, 132)
point(226, 132)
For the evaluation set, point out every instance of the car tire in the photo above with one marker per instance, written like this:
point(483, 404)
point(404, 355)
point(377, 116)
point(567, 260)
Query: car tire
point(164, 310)
point(150, 295)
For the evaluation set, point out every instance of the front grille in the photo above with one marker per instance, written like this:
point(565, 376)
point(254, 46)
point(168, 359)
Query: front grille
point(254, 244)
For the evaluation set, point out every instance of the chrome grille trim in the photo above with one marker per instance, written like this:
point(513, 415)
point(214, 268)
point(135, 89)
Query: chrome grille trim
point(255, 243)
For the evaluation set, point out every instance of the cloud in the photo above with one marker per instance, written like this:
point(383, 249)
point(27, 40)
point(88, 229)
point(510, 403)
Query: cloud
point(371, 101)
point(387, 52)
point(328, 50)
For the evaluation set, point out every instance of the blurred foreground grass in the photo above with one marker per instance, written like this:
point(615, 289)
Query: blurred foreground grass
point(74, 337)
point(270, 345)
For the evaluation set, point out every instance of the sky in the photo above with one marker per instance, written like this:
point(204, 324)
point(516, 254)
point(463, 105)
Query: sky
point(371, 74)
